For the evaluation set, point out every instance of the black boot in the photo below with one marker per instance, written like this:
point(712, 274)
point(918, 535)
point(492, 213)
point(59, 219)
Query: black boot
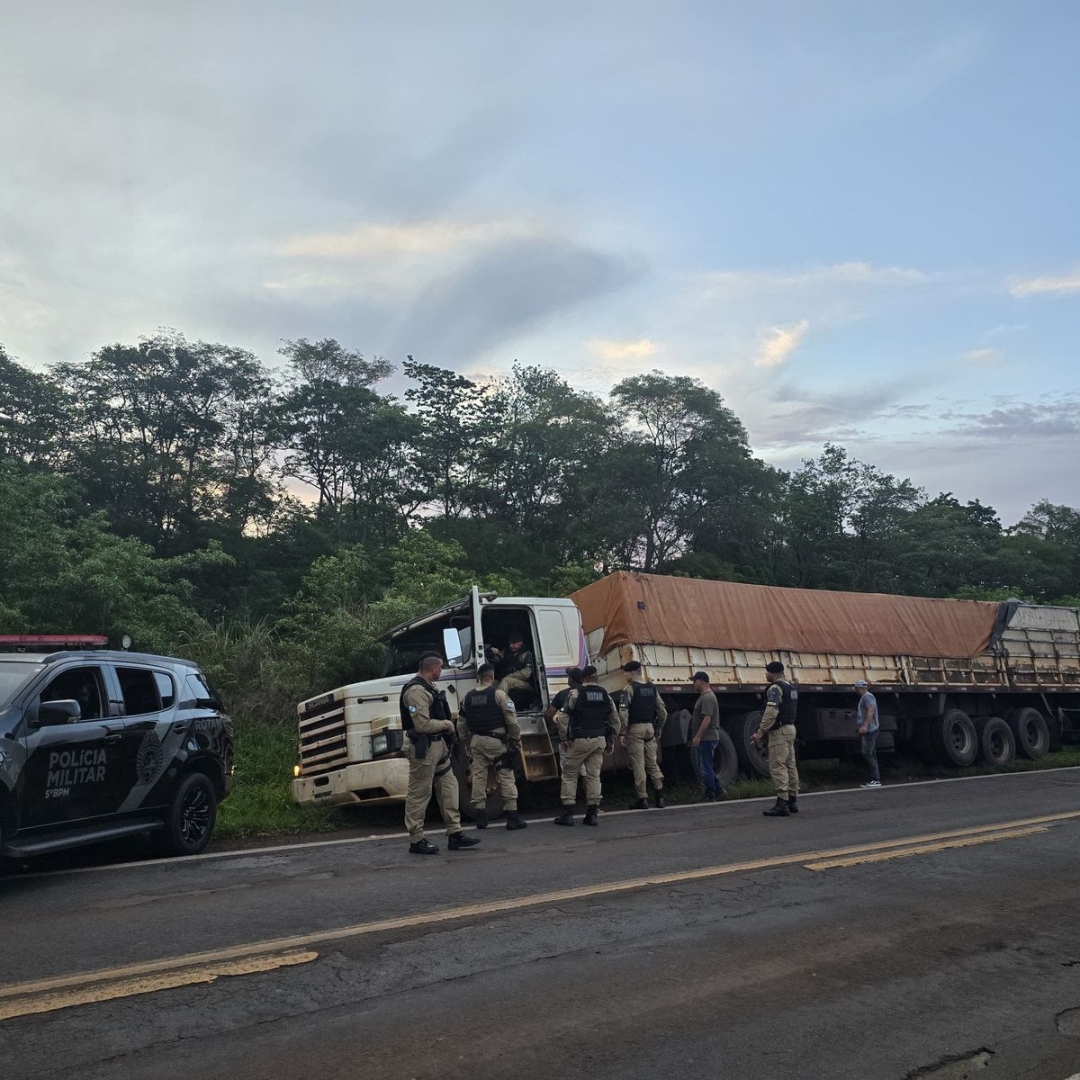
point(592, 815)
point(480, 817)
point(515, 821)
point(779, 810)
point(458, 840)
point(424, 847)
point(566, 817)
point(793, 804)
point(658, 798)
point(641, 804)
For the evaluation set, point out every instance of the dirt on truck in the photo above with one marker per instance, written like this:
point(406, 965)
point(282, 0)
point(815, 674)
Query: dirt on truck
point(955, 680)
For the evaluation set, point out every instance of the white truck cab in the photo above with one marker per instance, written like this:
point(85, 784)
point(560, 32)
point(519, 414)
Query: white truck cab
point(351, 739)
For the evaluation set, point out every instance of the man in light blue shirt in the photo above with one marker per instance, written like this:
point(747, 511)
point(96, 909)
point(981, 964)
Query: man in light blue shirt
point(868, 731)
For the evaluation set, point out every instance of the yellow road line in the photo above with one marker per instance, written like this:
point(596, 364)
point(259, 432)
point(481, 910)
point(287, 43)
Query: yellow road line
point(924, 849)
point(492, 907)
point(206, 973)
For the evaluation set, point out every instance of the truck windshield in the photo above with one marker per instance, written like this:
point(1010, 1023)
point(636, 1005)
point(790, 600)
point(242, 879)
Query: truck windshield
point(405, 649)
point(13, 673)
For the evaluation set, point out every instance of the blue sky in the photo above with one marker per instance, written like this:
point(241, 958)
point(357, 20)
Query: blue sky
point(854, 220)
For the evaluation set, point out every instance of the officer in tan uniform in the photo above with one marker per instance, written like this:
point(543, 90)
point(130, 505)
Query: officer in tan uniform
point(515, 665)
point(778, 722)
point(588, 724)
point(488, 721)
point(425, 717)
point(642, 713)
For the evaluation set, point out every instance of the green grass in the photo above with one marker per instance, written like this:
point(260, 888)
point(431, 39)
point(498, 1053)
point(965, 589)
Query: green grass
point(261, 803)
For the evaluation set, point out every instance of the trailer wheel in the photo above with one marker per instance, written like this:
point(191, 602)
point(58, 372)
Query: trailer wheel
point(1031, 731)
point(753, 759)
point(953, 738)
point(725, 760)
point(997, 744)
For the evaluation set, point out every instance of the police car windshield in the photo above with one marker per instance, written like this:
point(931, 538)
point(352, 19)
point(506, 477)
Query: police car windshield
point(13, 673)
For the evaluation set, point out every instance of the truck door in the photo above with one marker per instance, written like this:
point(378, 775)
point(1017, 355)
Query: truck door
point(70, 767)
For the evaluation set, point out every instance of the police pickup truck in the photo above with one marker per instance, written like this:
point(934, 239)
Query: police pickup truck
point(96, 745)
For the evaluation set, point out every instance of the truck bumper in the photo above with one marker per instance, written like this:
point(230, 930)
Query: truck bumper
point(370, 783)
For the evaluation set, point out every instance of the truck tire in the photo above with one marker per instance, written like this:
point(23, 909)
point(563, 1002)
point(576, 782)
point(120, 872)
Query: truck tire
point(190, 817)
point(997, 744)
point(725, 760)
point(953, 738)
point(753, 759)
point(1030, 730)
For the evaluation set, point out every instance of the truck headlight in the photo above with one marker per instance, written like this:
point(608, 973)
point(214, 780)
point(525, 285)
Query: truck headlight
point(380, 743)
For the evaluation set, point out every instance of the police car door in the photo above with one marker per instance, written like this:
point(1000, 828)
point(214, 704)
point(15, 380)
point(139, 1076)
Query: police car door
point(67, 777)
point(146, 697)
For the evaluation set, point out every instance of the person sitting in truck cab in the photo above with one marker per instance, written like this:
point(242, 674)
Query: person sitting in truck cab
point(515, 665)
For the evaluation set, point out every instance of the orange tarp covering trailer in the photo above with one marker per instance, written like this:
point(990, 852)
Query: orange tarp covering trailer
point(637, 609)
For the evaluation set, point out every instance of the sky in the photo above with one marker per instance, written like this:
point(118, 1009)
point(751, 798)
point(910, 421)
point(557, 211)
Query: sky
point(854, 220)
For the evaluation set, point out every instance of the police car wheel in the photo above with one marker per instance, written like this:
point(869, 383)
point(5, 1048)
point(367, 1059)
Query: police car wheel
point(189, 821)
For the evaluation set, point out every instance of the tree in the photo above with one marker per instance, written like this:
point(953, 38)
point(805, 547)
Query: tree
point(162, 433)
point(33, 414)
point(679, 439)
point(454, 426)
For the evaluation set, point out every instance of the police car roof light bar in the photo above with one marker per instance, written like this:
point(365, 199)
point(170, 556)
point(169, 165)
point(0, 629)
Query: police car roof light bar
point(51, 642)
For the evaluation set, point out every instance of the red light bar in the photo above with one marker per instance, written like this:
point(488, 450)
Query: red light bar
point(81, 641)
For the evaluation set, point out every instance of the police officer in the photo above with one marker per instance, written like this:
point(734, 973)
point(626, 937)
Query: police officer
point(778, 722)
point(643, 714)
point(425, 717)
point(489, 722)
point(515, 665)
point(588, 724)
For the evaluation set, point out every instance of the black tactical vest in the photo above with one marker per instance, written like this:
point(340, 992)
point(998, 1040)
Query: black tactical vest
point(789, 706)
point(592, 710)
point(482, 712)
point(437, 710)
point(515, 661)
point(643, 704)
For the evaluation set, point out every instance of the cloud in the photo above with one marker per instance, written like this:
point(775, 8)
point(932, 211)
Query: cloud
point(371, 240)
point(1047, 286)
point(781, 343)
point(982, 356)
point(848, 273)
point(1053, 417)
point(622, 350)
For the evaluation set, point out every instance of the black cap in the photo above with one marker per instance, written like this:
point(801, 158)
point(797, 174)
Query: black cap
point(632, 665)
point(588, 672)
point(701, 676)
point(774, 667)
point(574, 673)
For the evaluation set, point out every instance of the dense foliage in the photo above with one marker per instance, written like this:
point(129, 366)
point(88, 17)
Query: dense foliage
point(275, 522)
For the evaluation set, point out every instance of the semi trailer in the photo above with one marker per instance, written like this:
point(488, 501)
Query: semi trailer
point(956, 680)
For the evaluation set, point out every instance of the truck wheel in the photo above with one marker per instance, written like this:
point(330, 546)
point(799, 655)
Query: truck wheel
point(997, 744)
point(753, 759)
point(726, 760)
point(1031, 732)
point(190, 817)
point(953, 738)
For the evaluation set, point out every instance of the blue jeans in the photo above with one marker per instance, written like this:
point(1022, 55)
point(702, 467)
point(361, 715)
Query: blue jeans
point(869, 753)
point(704, 755)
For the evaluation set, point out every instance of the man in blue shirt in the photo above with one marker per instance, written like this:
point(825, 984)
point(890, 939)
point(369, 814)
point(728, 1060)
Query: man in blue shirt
point(868, 731)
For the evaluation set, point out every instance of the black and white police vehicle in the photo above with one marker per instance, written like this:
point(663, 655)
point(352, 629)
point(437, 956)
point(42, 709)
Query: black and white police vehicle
point(96, 745)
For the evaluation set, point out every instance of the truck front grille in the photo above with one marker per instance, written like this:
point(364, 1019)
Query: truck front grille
point(323, 745)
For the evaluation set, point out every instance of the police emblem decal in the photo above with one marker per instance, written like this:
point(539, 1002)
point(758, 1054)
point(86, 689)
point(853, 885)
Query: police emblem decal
point(150, 759)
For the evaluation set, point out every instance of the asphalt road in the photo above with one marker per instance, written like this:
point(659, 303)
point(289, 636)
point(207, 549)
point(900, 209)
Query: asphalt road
point(924, 930)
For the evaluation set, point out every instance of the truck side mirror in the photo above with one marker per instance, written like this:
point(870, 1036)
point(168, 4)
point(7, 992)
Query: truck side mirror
point(64, 711)
point(451, 640)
